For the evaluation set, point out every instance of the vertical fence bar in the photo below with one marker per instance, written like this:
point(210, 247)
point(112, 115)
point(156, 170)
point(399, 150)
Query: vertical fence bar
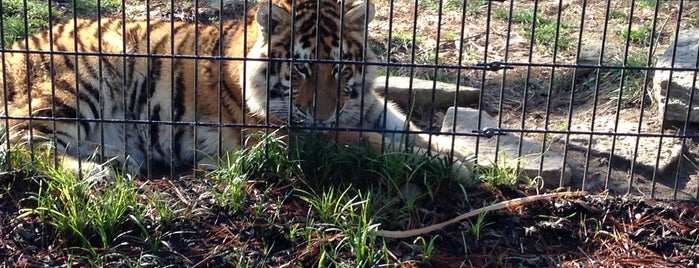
point(5, 115)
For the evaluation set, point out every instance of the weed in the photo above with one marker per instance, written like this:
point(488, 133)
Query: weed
point(548, 33)
point(640, 36)
point(84, 216)
point(377, 47)
point(14, 15)
point(406, 39)
point(106, 6)
point(424, 247)
point(503, 172)
point(88, 218)
point(391, 71)
point(501, 14)
point(616, 14)
point(429, 5)
point(473, 7)
point(694, 19)
point(477, 226)
point(440, 75)
point(326, 205)
point(647, 3)
point(634, 79)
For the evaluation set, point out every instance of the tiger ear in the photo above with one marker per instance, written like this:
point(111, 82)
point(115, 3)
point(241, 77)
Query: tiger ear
point(270, 19)
point(360, 13)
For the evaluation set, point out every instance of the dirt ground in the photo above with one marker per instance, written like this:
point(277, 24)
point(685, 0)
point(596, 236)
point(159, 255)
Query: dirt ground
point(589, 231)
point(542, 93)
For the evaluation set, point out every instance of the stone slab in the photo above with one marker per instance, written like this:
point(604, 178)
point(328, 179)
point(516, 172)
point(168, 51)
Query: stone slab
point(677, 90)
point(506, 148)
point(646, 151)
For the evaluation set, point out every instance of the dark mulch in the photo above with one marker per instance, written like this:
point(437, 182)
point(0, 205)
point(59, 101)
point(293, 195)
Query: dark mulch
point(594, 230)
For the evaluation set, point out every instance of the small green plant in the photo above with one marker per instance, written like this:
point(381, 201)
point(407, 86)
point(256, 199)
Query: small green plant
point(326, 205)
point(106, 6)
point(477, 226)
point(640, 36)
point(501, 14)
point(392, 71)
point(694, 19)
point(451, 35)
point(377, 47)
point(547, 33)
point(406, 39)
point(429, 5)
point(503, 172)
point(425, 247)
point(616, 14)
point(647, 3)
point(13, 18)
point(84, 215)
point(473, 7)
point(632, 92)
point(440, 75)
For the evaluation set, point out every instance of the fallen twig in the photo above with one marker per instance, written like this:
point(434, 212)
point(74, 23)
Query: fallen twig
point(501, 205)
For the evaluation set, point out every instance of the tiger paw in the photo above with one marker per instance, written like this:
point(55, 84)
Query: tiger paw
point(88, 171)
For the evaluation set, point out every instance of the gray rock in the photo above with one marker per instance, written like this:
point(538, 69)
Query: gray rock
point(645, 151)
point(399, 88)
point(590, 55)
point(506, 147)
point(677, 90)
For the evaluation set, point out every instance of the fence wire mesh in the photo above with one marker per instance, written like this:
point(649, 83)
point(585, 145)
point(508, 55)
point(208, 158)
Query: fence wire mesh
point(592, 95)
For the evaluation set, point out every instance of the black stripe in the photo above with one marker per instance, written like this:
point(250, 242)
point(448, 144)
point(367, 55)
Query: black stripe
point(61, 142)
point(66, 58)
point(178, 143)
point(59, 29)
point(230, 95)
point(153, 77)
point(179, 89)
point(140, 100)
point(37, 45)
point(307, 26)
point(43, 129)
point(155, 68)
point(154, 128)
point(90, 99)
point(86, 86)
point(10, 86)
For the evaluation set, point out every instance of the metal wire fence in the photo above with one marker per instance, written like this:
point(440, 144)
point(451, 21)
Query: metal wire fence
point(594, 95)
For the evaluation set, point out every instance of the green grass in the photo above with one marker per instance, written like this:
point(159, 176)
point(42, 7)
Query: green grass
point(634, 80)
point(640, 36)
point(405, 39)
point(471, 7)
point(545, 31)
point(94, 222)
point(616, 14)
point(83, 215)
point(105, 5)
point(36, 15)
point(14, 14)
point(694, 19)
point(647, 3)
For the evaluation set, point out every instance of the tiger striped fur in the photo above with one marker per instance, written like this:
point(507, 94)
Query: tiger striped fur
point(117, 90)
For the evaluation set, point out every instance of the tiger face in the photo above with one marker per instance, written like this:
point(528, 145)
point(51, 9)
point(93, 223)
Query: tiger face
point(308, 66)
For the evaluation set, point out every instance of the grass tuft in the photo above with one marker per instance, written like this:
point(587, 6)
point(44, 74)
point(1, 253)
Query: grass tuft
point(544, 34)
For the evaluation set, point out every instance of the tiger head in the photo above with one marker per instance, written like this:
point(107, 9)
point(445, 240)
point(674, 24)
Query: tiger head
point(308, 65)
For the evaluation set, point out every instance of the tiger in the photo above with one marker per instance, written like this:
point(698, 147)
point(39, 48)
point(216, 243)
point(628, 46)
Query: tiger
point(148, 94)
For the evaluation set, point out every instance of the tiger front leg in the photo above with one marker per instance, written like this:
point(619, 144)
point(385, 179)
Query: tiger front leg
point(463, 157)
point(462, 164)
